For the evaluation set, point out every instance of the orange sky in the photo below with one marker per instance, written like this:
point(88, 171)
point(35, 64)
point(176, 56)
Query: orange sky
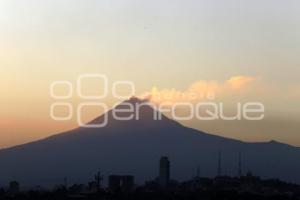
point(241, 51)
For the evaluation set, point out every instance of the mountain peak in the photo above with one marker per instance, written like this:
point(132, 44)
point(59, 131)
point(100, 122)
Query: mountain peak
point(134, 111)
point(136, 100)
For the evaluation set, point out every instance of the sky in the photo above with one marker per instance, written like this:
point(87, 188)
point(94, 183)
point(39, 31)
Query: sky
point(162, 44)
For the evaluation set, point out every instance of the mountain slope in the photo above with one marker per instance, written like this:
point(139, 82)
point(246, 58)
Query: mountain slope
point(134, 147)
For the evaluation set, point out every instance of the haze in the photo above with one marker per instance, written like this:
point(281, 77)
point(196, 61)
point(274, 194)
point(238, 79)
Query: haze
point(162, 44)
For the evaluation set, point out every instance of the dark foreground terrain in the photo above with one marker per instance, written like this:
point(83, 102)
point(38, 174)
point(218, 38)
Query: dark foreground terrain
point(222, 187)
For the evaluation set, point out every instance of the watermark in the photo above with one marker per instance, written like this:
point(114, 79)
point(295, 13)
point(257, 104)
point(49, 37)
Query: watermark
point(132, 110)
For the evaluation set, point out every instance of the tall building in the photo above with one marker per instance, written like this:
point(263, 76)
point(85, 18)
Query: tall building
point(164, 171)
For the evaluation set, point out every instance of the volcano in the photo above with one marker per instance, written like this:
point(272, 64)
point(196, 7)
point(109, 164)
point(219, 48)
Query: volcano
point(135, 146)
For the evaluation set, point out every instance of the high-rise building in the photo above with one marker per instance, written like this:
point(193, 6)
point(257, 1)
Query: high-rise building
point(164, 171)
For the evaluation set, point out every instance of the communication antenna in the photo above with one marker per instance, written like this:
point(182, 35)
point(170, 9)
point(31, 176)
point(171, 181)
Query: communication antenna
point(98, 179)
point(198, 171)
point(66, 182)
point(240, 165)
point(219, 163)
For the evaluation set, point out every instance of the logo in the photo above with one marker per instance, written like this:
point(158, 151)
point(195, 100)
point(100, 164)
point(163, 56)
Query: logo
point(202, 110)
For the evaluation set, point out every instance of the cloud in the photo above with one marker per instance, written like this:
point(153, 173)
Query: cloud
point(199, 90)
point(239, 82)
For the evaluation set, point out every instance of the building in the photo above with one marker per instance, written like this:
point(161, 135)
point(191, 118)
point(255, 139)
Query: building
point(14, 187)
point(120, 183)
point(164, 171)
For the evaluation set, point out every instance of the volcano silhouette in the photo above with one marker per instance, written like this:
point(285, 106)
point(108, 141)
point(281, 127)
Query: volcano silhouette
point(135, 146)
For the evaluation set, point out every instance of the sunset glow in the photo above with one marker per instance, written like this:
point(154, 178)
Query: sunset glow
point(191, 51)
